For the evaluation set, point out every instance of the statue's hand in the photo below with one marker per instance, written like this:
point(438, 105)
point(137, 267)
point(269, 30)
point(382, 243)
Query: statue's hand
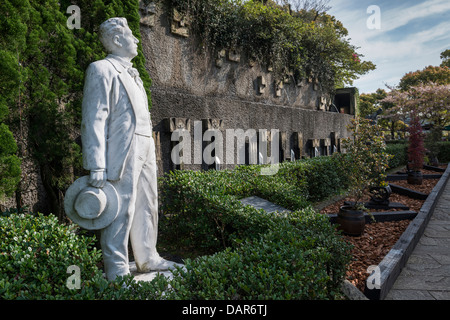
point(98, 178)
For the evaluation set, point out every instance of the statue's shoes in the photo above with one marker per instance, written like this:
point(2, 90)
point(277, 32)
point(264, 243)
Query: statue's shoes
point(158, 264)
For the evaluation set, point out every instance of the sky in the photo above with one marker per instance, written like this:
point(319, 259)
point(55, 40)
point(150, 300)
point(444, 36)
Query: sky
point(410, 37)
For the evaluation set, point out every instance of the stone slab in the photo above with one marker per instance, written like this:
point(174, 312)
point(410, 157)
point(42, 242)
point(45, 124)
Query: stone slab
point(414, 281)
point(260, 203)
point(440, 295)
point(396, 294)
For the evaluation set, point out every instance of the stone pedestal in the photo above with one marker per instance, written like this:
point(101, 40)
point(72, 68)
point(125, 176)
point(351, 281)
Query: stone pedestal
point(149, 276)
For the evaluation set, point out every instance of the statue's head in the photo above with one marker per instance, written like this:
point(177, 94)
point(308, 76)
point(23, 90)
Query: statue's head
point(117, 38)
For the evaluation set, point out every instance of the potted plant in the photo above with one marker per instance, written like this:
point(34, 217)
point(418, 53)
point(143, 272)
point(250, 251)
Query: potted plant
point(366, 162)
point(416, 151)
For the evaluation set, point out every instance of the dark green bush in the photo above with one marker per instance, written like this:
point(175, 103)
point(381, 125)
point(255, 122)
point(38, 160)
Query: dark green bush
point(320, 177)
point(202, 208)
point(35, 253)
point(268, 256)
point(299, 257)
point(444, 151)
point(401, 141)
point(399, 151)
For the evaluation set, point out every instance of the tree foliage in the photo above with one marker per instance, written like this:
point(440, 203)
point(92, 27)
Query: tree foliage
point(432, 74)
point(445, 56)
point(308, 43)
point(369, 103)
point(429, 101)
point(44, 63)
point(366, 158)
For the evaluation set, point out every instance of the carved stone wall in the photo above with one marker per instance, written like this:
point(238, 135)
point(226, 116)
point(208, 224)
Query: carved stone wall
point(195, 84)
point(198, 90)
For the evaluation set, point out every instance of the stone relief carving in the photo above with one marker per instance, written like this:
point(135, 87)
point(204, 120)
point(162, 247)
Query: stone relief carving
point(180, 24)
point(234, 55)
point(183, 128)
point(278, 88)
point(322, 103)
point(212, 124)
point(147, 13)
point(261, 84)
point(288, 76)
point(335, 142)
point(220, 57)
point(179, 124)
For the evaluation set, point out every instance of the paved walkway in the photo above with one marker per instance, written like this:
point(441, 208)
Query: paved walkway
point(426, 276)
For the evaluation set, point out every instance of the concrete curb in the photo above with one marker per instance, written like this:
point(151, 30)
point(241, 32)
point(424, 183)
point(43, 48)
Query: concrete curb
point(397, 257)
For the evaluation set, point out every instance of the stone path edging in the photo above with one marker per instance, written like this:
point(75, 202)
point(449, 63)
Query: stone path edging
point(392, 264)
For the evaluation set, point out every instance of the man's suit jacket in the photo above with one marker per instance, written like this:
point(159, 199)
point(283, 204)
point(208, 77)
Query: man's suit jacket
point(108, 116)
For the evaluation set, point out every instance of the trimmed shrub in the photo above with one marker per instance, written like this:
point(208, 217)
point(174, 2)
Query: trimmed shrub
point(320, 177)
point(202, 209)
point(299, 257)
point(202, 212)
point(399, 151)
point(35, 253)
point(444, 151)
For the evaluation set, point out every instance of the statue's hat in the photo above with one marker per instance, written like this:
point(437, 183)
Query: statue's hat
point(89, 207)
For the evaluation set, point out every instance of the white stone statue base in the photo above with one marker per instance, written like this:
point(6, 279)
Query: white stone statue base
point(149, 276)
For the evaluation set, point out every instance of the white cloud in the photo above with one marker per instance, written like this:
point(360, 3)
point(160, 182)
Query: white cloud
point(396, 54)
point(401, 16)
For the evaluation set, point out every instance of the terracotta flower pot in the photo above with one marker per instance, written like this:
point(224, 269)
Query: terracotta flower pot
point(351, 221)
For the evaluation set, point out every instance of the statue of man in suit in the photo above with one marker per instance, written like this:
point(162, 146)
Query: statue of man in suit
point(118, 149)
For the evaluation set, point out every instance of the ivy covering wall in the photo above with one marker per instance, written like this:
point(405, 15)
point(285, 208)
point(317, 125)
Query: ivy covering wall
point(309, 44)
point(41, 83)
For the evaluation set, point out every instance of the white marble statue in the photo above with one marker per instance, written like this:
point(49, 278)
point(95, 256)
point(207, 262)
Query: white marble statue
point(120, 196)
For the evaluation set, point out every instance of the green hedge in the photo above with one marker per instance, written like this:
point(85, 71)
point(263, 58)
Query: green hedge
point(320, 177)
point(399, 151)
point(296, 257)
point(202, 208)
point(251, 254)
point(299, 257)
point(36, 252)
point(444, 151)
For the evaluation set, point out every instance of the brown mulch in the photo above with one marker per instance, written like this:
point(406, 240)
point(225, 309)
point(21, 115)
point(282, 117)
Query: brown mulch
point(426, 186)
point(413, 204)
point(379, 237)
point(371, 247)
